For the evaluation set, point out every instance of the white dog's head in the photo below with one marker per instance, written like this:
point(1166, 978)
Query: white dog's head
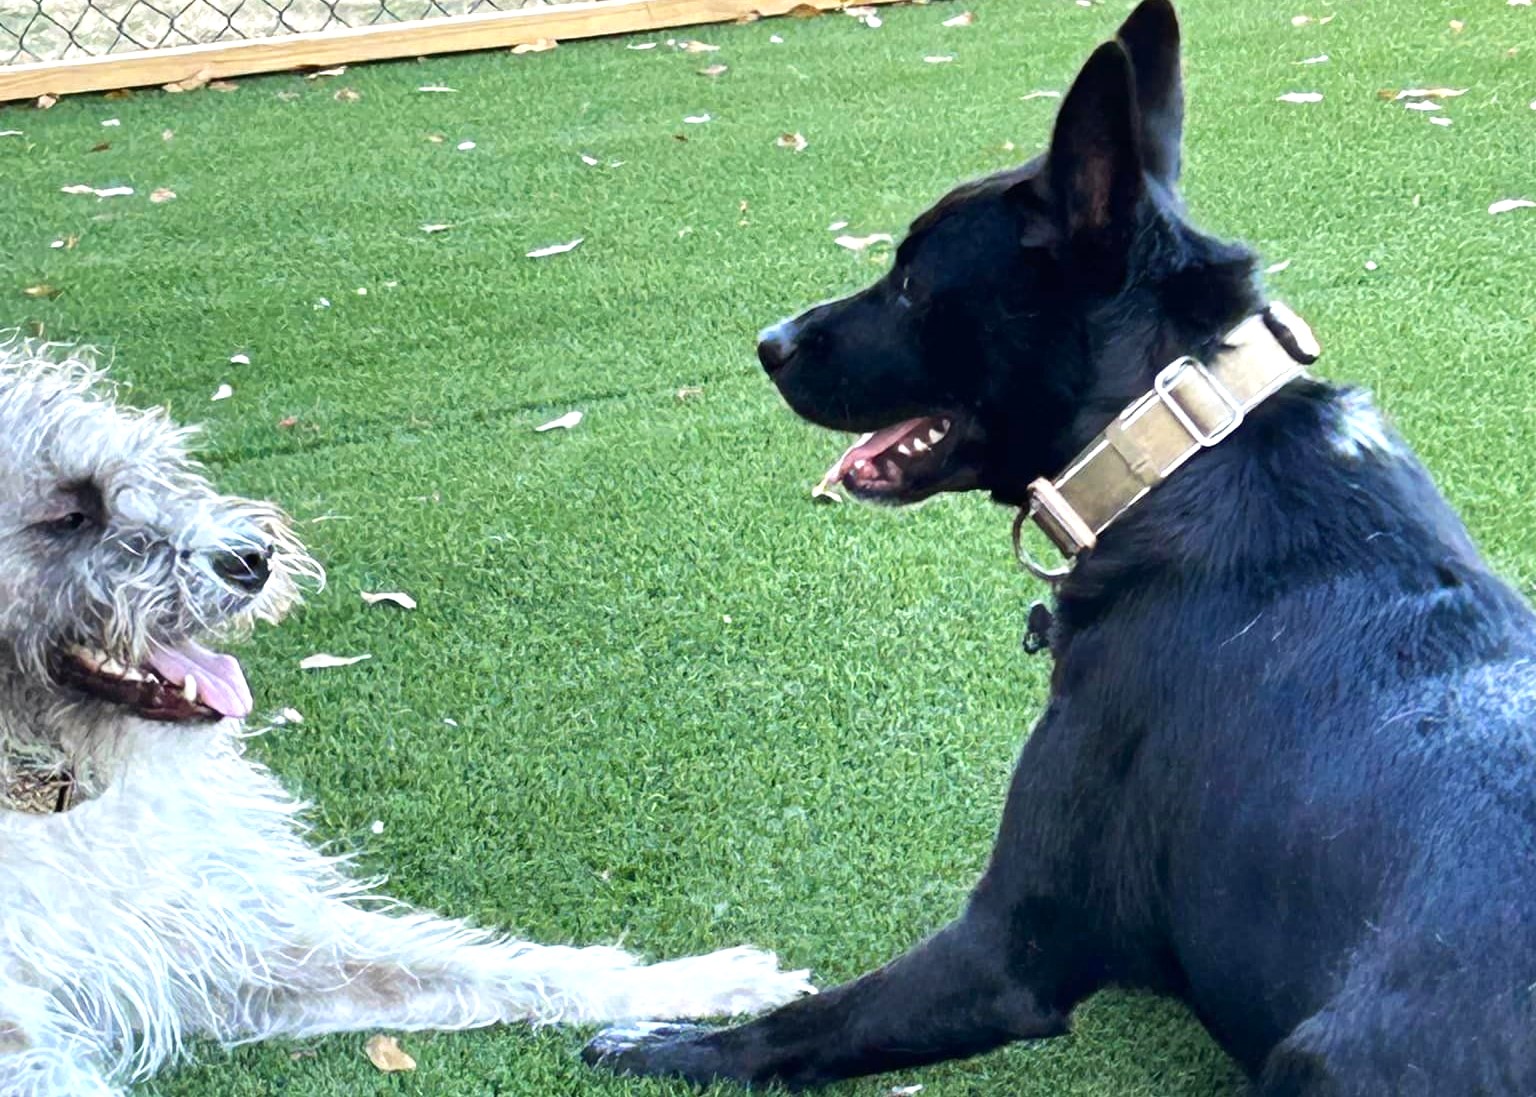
point(118, 563)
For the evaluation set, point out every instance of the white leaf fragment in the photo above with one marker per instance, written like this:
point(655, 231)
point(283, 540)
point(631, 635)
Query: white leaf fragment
point(859, 243)
point(565, 422)
point(223, 392)
point(1504, 205)
point(395, 597)
point(1276, 268)
point(1301, 97)
point(323, 661)
point(555, 249)
point(697, 119)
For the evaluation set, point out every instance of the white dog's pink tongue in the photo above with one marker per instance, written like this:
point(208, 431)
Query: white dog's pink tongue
point(221, 683)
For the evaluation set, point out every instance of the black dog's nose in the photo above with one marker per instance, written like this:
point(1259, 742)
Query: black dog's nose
point(244, 569)
point(775, 345)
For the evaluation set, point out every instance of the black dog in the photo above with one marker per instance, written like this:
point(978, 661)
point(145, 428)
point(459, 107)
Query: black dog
point(1287, 772)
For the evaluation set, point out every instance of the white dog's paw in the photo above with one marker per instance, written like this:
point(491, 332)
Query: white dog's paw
point(731, 981)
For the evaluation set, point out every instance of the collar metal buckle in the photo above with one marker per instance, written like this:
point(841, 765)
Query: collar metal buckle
point(1162, 389)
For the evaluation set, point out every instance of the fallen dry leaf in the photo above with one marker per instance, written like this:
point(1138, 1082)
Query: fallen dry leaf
point(1300, 20)
point(1504, 205)
point(695, 46)
point(825, 493)
point(555, 249)
point(11, 133)
point(565, 422)
point(538, 45)
point(1457, 26)
point(1041, 95)
point(377, 826)
point(697, 119)
point(1441, 121)
point(859, 243)
point(111, 122)
point(100, 147)
point(465, 146)
point(430, 229)
point(1430, 93)
point(43, 290)
point(641, 46)
point(1301, 97)
point(223, 85)
point(794, 141)
point(347, 95)
point(99, 192)
point(775, 40)
point(1370, 264)
point(939, 58)
point(337, 71)
point(964, 19)
point(323, 661)
point(688, 391)
point(436, 138)
point(1276, 268)
point(1519, 3)
point(396, 597)
point(590, 161)
point(167, 135)
point(384, 1052)
point(714, 70)
point(436, 88)
point(837, 226)
point(223, 392)
point(119, 93)
point(804, 11)
point(46, 101)
point(1421, 104)
point(239, 359)
point(905, 1091)
point(161, 194)
point(1320, 59)
point(197, 80)
point(288, 421)
point(302, 1053)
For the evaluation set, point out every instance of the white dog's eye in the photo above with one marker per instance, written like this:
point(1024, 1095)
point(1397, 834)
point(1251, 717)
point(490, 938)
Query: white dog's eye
point(69, 523)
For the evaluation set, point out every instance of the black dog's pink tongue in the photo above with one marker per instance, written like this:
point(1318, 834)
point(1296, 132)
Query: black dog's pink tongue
point(869, 447)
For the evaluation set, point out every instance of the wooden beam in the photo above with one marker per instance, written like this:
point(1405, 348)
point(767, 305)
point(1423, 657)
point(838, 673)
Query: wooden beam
point(417, 38)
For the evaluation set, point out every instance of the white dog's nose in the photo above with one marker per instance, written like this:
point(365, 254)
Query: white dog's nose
point(245, 569)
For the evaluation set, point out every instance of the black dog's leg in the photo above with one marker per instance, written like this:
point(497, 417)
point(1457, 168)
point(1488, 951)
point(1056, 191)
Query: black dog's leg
point(951, 997)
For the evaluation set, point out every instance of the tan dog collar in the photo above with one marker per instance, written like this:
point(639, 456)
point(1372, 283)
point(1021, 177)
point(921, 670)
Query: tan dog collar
point(1193, 405)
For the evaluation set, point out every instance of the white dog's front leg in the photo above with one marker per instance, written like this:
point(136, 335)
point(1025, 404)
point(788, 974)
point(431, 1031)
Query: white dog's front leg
point(415, 971)
point(42, 1052)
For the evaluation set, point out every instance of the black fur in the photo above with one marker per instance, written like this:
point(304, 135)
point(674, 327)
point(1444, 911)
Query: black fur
point(1287, 772)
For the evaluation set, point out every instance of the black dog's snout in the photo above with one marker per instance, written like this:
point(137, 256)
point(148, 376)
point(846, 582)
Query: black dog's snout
point(246, 569)
point(776, 344)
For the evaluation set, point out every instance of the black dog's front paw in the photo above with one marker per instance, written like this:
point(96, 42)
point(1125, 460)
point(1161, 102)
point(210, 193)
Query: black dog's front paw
point(653, 1047)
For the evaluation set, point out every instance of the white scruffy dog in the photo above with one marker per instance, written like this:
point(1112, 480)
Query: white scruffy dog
point(177, 896)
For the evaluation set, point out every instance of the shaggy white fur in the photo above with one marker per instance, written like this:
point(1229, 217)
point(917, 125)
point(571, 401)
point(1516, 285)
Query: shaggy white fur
point(179, 897)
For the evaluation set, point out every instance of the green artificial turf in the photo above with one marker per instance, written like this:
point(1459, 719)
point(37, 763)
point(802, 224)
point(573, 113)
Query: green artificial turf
point(690, 708)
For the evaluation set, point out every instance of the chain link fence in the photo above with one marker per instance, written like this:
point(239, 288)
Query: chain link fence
point(55, 30)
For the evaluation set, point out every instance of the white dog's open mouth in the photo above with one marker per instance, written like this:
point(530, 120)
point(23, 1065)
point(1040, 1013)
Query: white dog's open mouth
point(182, 684)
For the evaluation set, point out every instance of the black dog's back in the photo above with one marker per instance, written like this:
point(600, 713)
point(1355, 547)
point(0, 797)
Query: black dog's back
point(1317, 705)
point(1285, 771)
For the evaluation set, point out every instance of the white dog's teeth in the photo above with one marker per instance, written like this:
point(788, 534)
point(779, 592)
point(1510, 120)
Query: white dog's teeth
point(132, 674)
point(112, 667)
point(189, 689)
point(919, 445)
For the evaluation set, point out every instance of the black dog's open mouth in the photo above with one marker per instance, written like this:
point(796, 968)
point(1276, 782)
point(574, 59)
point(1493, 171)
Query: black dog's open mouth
point(184, 684)
point(902, 463)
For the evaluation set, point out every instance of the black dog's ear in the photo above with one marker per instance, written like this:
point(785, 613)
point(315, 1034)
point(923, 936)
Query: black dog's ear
point(1151, 39)
point(1095, 168)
